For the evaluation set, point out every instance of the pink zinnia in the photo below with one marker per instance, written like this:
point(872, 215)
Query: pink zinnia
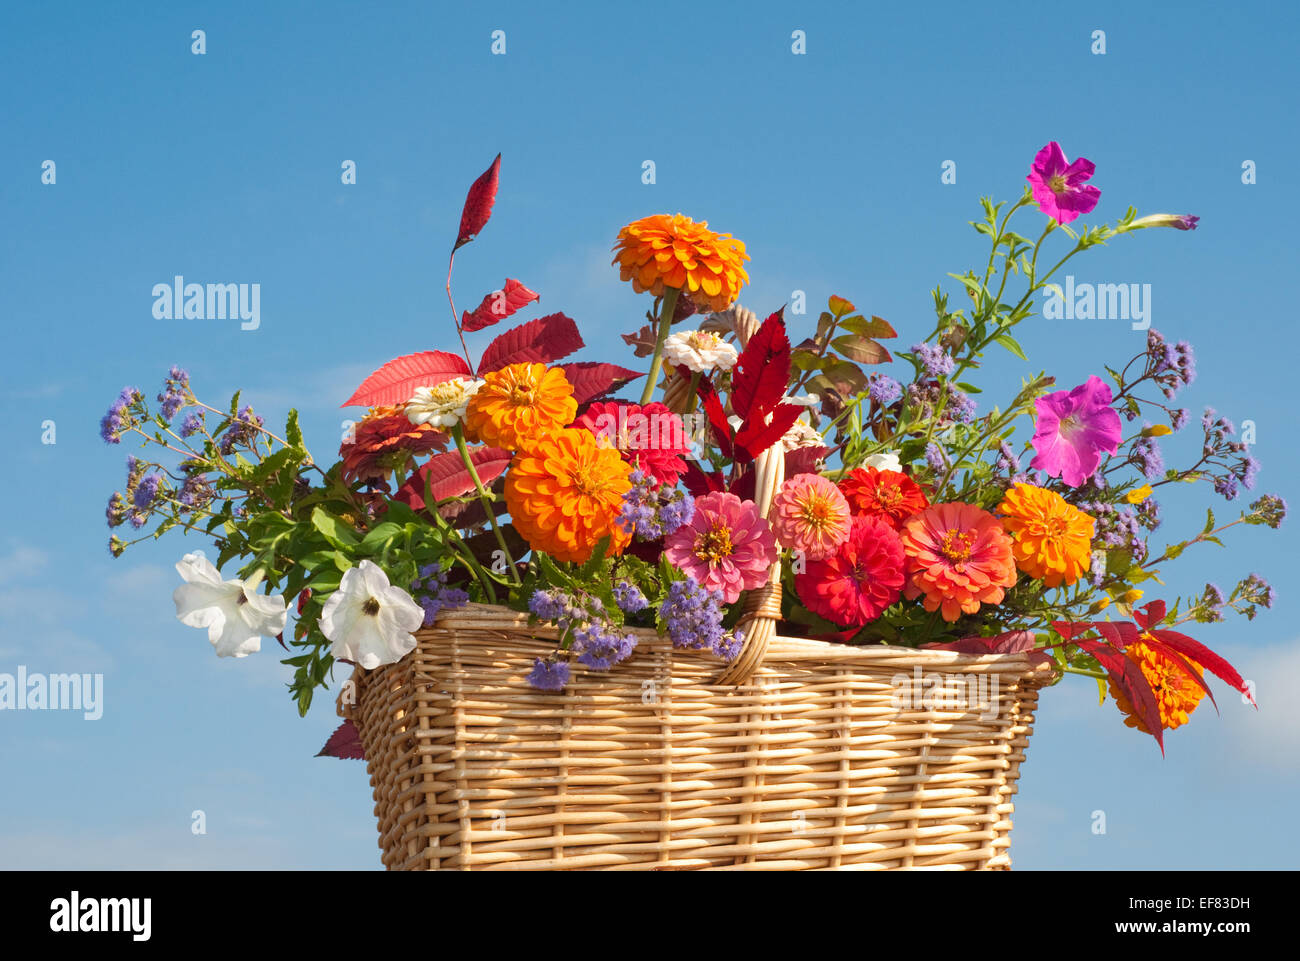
point(726, 547)
point(1058, 185)
point(1074, 428)
point(652, 437)
point(809, 514)
point(860, 580)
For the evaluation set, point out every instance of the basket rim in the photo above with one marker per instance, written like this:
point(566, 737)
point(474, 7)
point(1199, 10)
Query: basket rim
point(782, 649)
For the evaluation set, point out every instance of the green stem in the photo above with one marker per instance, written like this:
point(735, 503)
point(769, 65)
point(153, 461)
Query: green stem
point(486, 499)
point(656, 362)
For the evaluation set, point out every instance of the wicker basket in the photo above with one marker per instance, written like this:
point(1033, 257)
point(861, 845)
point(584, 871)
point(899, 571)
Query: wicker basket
point(828, 757)
point(800, 754)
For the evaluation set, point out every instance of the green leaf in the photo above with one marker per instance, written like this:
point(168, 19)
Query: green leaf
point(1009, 342)
point(292, 432)
point(1209, 522)
point(336, 531)
point(379, 537)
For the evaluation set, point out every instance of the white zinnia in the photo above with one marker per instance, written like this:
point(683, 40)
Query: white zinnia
point(442, 405)
point(236, 616)
point(699, 350)
point(369, 620)
point(801, 435)
point(888, 460)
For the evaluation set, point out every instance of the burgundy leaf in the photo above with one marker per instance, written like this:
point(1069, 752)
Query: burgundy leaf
point(762, 371)
point(498, 305)
point(591, 380)
point(804, 460)
point(344, 743)
point(445, 475)
point(717, 416)
point(755, 436)
point(396, 381)
point(539, 341)
point(1150, 615)
point(478, 204)
point(1012, 642)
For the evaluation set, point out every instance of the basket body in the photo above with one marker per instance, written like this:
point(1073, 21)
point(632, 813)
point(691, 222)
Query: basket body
point(829, 757)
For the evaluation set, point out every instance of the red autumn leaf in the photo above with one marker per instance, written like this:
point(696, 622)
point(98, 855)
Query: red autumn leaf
point(396, 381)
point(698, 483)
point(498, 305)
point(1150, 614)
point(478, 204)
point(1182, 662)
point(445, 475)
point(755, 436)
point(713, 410)
point(539, 341)
point(1128, 677)
point(762, 371)
point(591, 380)
point(1205, 657)
point(344, 743)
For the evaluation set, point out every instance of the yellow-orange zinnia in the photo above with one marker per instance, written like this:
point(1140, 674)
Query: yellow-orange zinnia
point(564, 492)
point(662, 251)
point(1050, 538)
point(518, 402)
point(1177, 694)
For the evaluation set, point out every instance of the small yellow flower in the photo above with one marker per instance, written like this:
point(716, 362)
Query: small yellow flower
point(1130, 597)
point(1157, 430)
point(1139, 495)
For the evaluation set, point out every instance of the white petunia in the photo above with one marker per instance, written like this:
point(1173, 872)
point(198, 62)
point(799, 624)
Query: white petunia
point(888, 460)
point(369, 620)
point(236, 616)
point(699, 350)
point(442, 405)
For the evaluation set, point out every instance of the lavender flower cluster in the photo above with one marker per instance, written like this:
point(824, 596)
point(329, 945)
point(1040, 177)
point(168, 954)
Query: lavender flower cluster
point(1171, 366)
point(175, 393)
point(1219, 449)
point(650, 511)
point(431, 592)
point(596, 641)
point(123, 414)
point(693, 618)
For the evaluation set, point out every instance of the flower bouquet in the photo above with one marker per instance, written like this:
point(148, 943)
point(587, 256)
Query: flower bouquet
point(560, 608)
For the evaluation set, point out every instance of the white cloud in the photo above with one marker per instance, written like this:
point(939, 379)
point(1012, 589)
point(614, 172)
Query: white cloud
point(1271, 735)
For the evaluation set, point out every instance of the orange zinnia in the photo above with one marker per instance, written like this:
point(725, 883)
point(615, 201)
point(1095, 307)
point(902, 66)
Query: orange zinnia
point(564, 491)
point(888, 494)
point(384, 441)
point(1177, 694)
point(1052, 539)
point(518, 402)
point(662, 251)
point(959, 557)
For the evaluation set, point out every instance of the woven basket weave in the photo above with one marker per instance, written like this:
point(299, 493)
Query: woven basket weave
point(799, 755)
point(818, 761)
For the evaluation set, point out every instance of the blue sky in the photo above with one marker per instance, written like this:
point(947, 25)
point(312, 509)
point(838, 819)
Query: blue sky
point(226, 168)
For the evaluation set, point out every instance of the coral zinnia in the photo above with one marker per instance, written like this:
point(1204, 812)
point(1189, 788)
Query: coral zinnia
point(1073, 428)
point(1051, 539)
point(384, 441)
point(959, 557)
point(518, 402)
point(1177, 694)
point(863, 577)
point(1058, 185)
point(887, 494)
point(564, 491)
point(810, 514)
point(662, 251)
point(726, 546)
point(652, 437)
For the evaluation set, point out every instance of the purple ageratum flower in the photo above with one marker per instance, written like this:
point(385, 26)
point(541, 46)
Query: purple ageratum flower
point(629, 597)
point(600, 647)
point(934, 456)
point(961, 407)
point(146, 491)
point(678, 509)
point(885, 391)
point(1058, 185)
point(934, 360)
point(693, 618)
point(549, 675)
point(639, 514)
point(1147, 457)
point(1074, 428)
point(118, 417)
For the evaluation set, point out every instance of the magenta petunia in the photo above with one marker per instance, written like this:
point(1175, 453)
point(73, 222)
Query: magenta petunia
point(1059, 186)
point(1074, 427)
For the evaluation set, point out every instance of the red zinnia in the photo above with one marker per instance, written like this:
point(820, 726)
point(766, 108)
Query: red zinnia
point(854, 585)
point(652, 437)
point(888, 494)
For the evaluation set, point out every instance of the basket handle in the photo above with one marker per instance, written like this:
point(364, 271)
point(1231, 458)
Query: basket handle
point(761, 609)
